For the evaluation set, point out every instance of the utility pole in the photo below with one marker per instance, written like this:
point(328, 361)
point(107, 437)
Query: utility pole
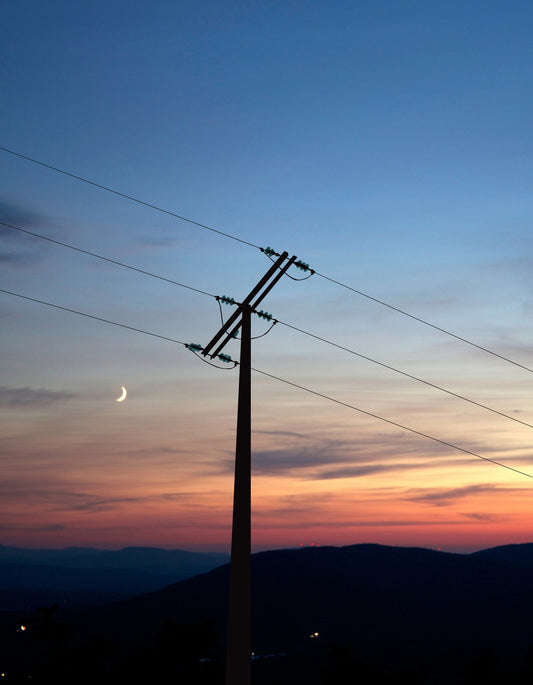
point(238, 651)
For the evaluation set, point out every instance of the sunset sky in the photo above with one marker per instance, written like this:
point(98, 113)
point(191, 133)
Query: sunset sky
point(389, 145)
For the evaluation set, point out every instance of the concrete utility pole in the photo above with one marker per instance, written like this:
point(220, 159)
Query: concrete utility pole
point(238, 652)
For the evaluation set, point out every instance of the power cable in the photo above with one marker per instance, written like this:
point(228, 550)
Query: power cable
point(393, 423)
point(281, 380)
point(189, 346)
point(128, 197)
point(105, 259)
point(407, 375)
point(268, 252)
point(231, 301)
point(92, 316)
point(426, 323)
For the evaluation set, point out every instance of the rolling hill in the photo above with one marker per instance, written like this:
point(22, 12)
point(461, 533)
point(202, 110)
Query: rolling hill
point(80, 576)
point(371, 609)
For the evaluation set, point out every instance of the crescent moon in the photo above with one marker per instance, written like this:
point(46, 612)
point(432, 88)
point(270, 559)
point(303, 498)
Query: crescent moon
point(123, 396)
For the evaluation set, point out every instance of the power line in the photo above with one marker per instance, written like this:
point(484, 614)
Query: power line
point(105, 259)
point(295, 328)
point(407, 375)
point(92, 316)
point(127, 197)
point(393, 423)
point(281, 380)
point(426, 323)
point(250, 244)
point(190, 346)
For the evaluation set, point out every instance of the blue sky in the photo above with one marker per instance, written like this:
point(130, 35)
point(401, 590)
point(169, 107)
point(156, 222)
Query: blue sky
point(386, 144)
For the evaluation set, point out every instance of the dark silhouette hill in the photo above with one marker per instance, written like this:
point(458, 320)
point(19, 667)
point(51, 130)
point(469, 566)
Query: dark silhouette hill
point(79, 576)
point(519, 555)
point(377, 614)
point(363, 594)
point(149, 558)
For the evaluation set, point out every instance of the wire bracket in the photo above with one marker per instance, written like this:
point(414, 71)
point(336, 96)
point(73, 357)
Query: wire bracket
point(196, 348)
point(302, 265)
point(269, 252)
point(299, 264)
point(226, 300)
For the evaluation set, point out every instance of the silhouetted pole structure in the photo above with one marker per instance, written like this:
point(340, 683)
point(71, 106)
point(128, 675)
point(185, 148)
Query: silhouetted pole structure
point(239, 608)
point(238, 651)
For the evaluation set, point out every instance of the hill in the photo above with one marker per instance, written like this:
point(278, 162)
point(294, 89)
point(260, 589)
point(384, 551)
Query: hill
point(517, 555)
point(79, 576)
point(395, 614)
point(369, 594)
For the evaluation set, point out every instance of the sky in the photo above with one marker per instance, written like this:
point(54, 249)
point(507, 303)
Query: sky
point(388, 145)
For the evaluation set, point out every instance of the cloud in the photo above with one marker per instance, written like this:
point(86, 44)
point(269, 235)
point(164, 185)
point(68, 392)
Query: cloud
point(477, 516)
point(74, 501)
point(515, 349)
point(326, 459)
point(24, 250)
point(12, 213)
point(282, 434)
point(15, 258)
point(53, 527)
point(284, 460)
point(157, 454)
point(444, 496)
point(367, 469)
point(28, 397)
point(379, 523)
point(51, 498)
point(313, 510)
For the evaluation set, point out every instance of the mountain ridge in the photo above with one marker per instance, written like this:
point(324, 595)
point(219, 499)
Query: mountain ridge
point(79, 576)
point(463, 597)
point(407, 614)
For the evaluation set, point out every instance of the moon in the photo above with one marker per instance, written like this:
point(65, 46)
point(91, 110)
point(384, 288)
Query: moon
point(123, 396)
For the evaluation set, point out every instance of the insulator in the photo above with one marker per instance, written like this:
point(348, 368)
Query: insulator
point(225, 358)
point(227, 300)
point(194, 347)
point(301, 265)
point(264, 315)
point(269, 251)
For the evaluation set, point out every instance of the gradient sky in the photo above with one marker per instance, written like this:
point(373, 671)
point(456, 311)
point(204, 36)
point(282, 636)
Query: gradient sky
point(388, 144)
